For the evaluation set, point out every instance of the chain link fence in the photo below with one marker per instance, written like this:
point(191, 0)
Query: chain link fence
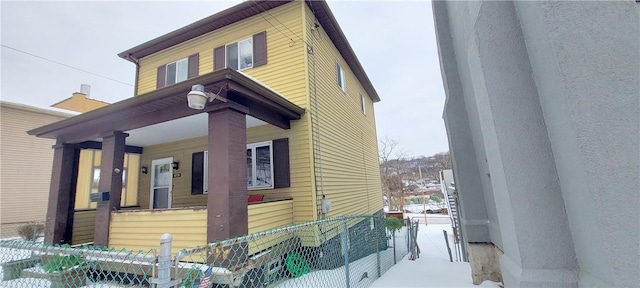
point(345, 251)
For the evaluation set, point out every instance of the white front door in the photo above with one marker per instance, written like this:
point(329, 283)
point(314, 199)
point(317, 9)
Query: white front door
point(161, 183)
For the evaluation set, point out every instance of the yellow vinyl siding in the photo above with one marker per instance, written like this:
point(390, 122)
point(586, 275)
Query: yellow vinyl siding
point(347, 169)
point(90, 158)
point(285, 52)
point(26, 163)
point(181, 151)
point(141, 230)
point(83, 226)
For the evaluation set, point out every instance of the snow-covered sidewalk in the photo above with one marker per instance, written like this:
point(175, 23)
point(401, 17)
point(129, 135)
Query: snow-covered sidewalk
point(433, 268)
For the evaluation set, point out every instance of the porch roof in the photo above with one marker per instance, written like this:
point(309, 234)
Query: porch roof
point(170, 103)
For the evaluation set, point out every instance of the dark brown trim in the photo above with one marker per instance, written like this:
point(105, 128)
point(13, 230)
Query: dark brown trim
point(227, 175)
point(248, 9)
point(219, 58)
point(167, 104)
point(72, 196)
point(111, 166)
point(197, 173)
point(260, 49)
point(62, 185)
point(161, 76)
point(281, 167)
point(98, 146)
point(193, 66)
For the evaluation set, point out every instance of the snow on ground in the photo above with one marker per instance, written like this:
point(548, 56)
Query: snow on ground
point(433, 268)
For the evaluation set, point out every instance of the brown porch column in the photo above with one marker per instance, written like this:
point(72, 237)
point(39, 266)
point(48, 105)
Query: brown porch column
point(227, 200)
point(61, 193)
point(113, 146)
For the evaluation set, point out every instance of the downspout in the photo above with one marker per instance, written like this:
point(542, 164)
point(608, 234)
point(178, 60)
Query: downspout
point(135, 83)
point(317, 151)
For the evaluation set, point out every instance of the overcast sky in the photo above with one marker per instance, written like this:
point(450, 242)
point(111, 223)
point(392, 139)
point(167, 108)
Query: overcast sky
point(394, 41)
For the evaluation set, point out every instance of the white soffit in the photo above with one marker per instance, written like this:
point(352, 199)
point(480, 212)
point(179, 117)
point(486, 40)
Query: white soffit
point(175, 130)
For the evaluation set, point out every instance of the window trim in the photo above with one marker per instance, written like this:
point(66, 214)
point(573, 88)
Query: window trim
point(253, 147)
point(226, 55)
point(363, 105)
point(166, 74)
point(340, 78)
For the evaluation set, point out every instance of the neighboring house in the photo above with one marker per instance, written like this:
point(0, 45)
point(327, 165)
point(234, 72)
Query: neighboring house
point(80, 101)
point(26, 162)
point(289, 120)
point(543, 120)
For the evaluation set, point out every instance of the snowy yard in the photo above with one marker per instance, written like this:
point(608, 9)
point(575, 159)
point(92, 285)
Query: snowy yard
point(433, 268)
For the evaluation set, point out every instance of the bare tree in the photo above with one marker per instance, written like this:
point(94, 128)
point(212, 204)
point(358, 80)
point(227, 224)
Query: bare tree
point(392, 172)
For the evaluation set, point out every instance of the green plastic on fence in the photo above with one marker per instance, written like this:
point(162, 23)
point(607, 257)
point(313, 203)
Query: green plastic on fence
point(296, 265)
point(311, 254)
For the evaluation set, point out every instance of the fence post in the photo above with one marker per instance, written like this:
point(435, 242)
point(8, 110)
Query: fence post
point(345, 250)
point(377, 236)
point(35, 231)
point(446, 239)
point(164, 261)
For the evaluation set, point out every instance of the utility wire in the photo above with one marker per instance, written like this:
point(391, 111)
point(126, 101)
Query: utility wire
point(65, 65)
point(274, 17)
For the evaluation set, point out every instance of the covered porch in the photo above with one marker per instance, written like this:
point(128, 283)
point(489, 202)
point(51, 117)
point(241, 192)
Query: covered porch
point(162, 117)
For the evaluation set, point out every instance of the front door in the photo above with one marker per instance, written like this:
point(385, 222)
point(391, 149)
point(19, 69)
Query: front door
point(161, 183)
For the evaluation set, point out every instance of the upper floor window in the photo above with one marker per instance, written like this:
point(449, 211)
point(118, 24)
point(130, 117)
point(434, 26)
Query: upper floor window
point(178, 71)
point(240, 54)
point(244, 54)
point(363, 104)
point(342, 82)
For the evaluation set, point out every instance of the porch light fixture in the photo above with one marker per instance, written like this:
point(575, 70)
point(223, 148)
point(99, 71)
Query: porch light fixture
point(197, 97)
point(144, 170)
point(175, 165)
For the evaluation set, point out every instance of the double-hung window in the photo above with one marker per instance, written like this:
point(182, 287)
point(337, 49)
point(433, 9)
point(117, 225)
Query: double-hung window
point(246, 53)
point(259, 165)
point(342, 82)
point(240, 54)
point(267, 166)
point(177, 71)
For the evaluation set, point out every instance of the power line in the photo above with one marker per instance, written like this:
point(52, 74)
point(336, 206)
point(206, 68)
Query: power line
point(65, 65)
point(274, 17)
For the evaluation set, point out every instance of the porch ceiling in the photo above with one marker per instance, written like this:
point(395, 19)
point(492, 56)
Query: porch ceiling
point(179, 129)
point(147, 111)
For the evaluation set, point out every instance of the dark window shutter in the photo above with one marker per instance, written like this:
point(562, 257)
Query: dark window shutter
point(281, 178)
point(218, 58)
point(162, 75)
point(194, 66)
point(197, 173)
point(260, 49)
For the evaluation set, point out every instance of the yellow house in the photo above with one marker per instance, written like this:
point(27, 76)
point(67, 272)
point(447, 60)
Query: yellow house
point(279, 115)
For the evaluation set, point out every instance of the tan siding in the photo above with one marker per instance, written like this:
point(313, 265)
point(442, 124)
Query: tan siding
point(285, 52)
point(80, 103)
point(83, 226)
point(141, 230)
point(347, 159)
point(25, 165)
point(181, 151)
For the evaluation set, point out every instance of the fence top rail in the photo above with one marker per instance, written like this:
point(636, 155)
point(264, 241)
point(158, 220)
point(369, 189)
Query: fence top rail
point(290, 228)
point(124, 255)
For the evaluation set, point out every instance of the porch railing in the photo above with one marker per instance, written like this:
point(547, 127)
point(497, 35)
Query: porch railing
point(141, 229)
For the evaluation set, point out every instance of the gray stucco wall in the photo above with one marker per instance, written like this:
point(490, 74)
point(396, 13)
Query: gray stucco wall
point(542, 114)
